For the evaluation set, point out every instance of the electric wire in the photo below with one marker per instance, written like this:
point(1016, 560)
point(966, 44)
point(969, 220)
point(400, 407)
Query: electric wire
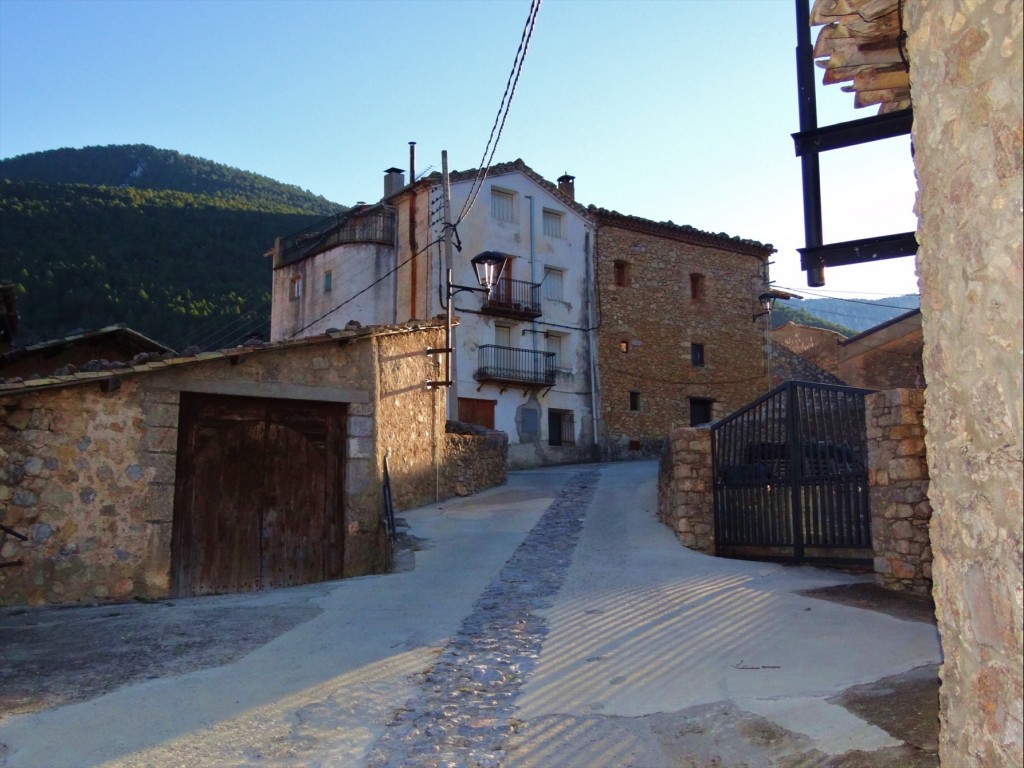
point(503, 108)
point(354, 296)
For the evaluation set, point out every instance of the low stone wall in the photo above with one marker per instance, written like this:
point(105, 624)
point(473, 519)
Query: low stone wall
point(475, 459)
point(898, 479)
point(685, 488)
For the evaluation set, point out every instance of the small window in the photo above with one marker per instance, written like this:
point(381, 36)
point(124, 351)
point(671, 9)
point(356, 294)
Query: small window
point(634, 401)
point(295, 289)
point(622, 276)
point(503, 205)
point(503, 335)
point(700, 411)
point(552, 223)
point(698, 287)
point(554, 343)
point(328, 281)
point(697, 355)
point(624, 347)
point(553, 283)
point(561, 427)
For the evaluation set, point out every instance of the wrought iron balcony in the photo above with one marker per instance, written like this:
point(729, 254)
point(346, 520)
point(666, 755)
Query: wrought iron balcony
point(374, 225)
point(515, 366)
point(514, 298)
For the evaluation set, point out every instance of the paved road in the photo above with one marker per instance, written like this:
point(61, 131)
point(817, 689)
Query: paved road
point(549, 622)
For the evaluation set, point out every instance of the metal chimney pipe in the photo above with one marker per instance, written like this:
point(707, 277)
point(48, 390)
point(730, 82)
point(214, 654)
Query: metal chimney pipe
point(412, 161)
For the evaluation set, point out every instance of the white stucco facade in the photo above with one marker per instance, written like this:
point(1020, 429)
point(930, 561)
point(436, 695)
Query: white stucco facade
point(546, 238)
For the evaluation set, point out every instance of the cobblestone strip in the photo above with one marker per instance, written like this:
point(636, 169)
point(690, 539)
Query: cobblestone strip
point(461, 718)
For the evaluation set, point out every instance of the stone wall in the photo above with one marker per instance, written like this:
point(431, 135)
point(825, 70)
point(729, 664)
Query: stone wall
point(682, 287)
point(898, 478)
point(686, 486)
point(475, 459)
point(88, 474)
point(965, 75)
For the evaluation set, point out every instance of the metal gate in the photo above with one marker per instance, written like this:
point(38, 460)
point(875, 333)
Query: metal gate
point(790, 477)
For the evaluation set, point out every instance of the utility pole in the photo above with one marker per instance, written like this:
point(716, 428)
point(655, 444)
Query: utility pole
point(453, 376)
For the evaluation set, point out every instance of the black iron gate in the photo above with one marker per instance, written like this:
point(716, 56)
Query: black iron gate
point(791, 477)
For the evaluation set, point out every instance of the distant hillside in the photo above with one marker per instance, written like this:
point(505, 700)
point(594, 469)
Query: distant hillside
point(144, 167)
point(183, 263)
point(846, 316)
point(792, 312)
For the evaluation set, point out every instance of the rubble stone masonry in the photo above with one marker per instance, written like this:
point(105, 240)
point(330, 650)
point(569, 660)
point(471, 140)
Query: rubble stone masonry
point(898, 479)
point(88, 474)
point(966, 75)
point(686, 486)
point(663, 288)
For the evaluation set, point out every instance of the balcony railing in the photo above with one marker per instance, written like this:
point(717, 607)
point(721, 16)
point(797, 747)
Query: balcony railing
point(515, 366)
point(374, 226)
point(514, 298)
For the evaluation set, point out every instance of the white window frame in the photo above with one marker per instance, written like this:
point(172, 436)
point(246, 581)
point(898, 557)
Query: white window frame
point(503, 330)
point(503, 205)
point(552, 223)
point(555, 342)
point(554, 284)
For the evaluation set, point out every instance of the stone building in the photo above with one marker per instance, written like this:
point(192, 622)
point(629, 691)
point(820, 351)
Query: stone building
point(964, 65)
point(225, 471)
point(114, 342)
point(681, 340)
point(887, 356)
point(523, 356)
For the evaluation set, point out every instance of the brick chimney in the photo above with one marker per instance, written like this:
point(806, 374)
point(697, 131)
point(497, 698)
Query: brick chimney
point(567, 185)
point(394, 180)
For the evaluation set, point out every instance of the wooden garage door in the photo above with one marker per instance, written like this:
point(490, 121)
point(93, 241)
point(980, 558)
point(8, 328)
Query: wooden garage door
point(258, 495)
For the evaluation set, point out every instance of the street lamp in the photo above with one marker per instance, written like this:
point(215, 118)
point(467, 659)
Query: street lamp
point(488, 266)
point(767, 301)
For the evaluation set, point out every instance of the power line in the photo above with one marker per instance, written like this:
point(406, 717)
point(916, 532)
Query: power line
point(503, 108)
point(840, 298)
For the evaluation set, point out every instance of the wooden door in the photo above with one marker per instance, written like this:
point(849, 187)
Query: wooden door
point(258, 496)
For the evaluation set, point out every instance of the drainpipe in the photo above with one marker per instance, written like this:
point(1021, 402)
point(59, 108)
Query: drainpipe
point(595, 399)
point(533, 274)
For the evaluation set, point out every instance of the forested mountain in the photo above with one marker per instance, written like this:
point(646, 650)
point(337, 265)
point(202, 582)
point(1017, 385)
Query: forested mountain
point(847, 316)
point(855, 314)
point(144, 167)
point(790, 312)
point(182, 264)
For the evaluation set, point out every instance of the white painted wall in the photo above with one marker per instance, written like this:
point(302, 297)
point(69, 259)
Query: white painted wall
point(355, 267)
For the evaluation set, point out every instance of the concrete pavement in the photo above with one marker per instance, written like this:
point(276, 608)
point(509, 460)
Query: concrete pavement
point(649, 655)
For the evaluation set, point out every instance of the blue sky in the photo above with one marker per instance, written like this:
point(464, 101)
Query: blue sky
point(676, 110)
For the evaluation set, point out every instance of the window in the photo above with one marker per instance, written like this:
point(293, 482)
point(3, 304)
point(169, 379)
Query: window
point(552, 223)
point(503, 335)
point(554, 343)
point(295, 289)
point(503, 206)
point(634, 401)
point(553, 283)
point(561, 427)
point(476, 411)
point(697, 355)
point(622, 276)
point(700, 410)
point(698, 287)
point(328, 281)
point(624, 346)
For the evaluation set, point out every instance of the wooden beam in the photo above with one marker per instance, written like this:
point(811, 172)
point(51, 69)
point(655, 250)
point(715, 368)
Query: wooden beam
point(875, 80)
